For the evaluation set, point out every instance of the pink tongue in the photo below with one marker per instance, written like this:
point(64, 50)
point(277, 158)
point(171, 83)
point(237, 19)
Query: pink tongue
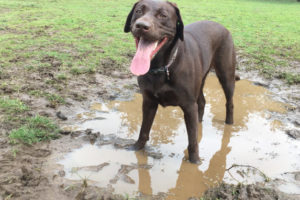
point(140, 64)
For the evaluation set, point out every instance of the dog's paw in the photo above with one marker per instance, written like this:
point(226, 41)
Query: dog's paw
point(135, 147)
point(195, 159)
point(229, 121)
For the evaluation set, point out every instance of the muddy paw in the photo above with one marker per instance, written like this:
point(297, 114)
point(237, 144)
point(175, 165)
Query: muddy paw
point(135, 147)
point(195, 159)
point(40, 153)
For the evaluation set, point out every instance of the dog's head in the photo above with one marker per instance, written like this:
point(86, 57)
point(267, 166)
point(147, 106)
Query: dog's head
point(153, 24)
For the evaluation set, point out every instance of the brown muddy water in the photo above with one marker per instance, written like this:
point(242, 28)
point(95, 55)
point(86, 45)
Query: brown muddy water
point(256, 143)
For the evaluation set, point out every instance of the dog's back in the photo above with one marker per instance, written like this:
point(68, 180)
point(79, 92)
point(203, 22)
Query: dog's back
point(209, 37)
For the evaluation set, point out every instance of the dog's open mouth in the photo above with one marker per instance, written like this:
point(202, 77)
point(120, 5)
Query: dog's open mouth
point(145, 52)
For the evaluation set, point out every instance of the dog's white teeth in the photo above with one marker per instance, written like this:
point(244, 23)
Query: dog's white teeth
point(156, 44)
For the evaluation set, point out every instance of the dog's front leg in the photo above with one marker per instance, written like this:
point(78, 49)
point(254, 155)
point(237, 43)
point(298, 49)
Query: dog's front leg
point(191, 122)
point(149, 111)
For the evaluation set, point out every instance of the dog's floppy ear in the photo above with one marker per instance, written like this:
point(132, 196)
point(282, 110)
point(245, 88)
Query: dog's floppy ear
point(179, 24)
point(128, 20)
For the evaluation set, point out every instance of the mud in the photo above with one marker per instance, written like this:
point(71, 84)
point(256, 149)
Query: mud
point(24, 173)
point(243, 153)
point(90, 160)
point(251, 192)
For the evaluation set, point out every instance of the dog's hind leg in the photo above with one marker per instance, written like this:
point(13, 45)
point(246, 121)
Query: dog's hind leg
point(225, 61)
point(201, 100)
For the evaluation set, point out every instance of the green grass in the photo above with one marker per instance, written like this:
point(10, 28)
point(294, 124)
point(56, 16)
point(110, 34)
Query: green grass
point(267, 32)
point(12, 111)
point(35, 130)
point(12, 106)
point(79, 33)
point(32, 130)
point(54, 99)
point(83, 33)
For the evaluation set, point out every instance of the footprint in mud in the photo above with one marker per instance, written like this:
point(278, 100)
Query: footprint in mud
point(123, 175)
point(96, 168)
point(40, 153)
point(35, 152)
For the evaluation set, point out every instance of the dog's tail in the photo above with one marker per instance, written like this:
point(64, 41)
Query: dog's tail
point(237, 77)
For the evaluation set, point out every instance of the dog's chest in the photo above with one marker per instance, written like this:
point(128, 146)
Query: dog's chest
point(166, 96)
point(163, 92)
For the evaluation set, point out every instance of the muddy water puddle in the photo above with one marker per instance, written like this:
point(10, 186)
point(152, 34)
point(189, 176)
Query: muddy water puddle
point(254, 149)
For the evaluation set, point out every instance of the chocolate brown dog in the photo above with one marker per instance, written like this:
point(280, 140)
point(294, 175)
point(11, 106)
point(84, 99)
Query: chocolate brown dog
point(172, 62)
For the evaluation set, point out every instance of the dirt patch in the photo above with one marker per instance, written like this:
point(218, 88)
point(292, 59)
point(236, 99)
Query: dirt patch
point(8, 30)
point(295, 134)
point(23, 175)
point(21, 171)
point(52, 61)
point(244, 192)
point(107, 69)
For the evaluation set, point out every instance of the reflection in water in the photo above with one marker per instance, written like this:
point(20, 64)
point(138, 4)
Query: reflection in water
point(165, 125)
point(144, 175)
point(248, 98)
point(254, 139)
point(201, 180)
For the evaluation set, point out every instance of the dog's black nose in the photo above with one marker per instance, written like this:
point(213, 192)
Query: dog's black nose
point(142, 25)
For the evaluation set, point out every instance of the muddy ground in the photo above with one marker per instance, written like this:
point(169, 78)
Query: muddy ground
point(24, 169)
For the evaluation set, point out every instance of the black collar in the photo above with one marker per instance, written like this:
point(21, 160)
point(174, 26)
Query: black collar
point(165, 69)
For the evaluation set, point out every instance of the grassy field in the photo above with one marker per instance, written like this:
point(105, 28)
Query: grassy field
point(80, 34)
point(73, 37)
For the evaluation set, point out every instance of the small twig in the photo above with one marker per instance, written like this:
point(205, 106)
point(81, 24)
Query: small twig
point(234, 178)
point(267, 179)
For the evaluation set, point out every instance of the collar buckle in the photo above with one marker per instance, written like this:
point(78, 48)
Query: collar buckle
point(165, 69)
point(167, 72)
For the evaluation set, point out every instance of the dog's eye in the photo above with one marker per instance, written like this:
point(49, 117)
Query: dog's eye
point(139, 11)
point(162, 16)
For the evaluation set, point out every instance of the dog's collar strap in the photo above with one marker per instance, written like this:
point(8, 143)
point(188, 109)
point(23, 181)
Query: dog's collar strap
point(165, 69)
